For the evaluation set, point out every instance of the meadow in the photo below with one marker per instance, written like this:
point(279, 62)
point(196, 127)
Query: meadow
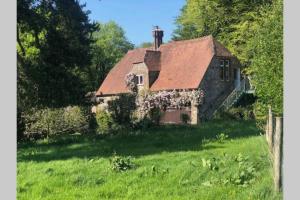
point(211, 161)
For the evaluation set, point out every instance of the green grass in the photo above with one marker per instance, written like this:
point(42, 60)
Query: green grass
point(168, 165)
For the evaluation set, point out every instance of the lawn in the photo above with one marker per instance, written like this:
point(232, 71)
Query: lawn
point(171, 162)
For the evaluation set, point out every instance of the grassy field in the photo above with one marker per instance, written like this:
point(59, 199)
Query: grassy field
point(172, 162)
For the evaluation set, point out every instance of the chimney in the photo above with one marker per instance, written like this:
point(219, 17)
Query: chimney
point(158, 35)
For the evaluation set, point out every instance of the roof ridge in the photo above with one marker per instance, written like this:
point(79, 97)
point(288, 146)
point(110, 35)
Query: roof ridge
point(190, 40)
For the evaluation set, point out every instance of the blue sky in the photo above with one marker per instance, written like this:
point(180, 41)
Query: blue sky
point(137, 17)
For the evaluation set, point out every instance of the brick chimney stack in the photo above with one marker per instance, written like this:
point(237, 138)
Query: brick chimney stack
point(158, 35)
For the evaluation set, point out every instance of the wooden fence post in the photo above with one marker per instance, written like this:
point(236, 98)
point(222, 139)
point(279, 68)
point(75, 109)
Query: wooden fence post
point(270, 130)
point(278, 154)
point(267, 130)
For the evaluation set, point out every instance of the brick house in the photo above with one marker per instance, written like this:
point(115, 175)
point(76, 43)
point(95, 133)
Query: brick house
point(189, 64)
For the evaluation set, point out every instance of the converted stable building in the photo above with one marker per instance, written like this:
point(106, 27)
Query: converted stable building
point(180, 65)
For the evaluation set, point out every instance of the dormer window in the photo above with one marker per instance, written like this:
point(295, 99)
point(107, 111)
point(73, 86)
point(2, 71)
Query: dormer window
point(224, 69)
point(140, 79)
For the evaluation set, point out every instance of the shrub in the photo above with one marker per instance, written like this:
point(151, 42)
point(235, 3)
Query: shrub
point(238, 113)
point(93, 125)
point(185, 118)
point(50, 121)
point(104, 121)
point(20, 124)
point(155, 115)
point(122, 109)
point(144, 123)
point(119, 163)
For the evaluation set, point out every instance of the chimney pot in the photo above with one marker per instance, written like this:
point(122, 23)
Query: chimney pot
point(158, 35)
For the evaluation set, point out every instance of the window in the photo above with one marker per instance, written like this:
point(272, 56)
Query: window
point(221, 69)
point(224, 71)
point(140, 79)
point(227, 70)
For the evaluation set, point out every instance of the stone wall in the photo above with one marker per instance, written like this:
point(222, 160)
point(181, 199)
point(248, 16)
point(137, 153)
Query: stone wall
point(141, 69)
point(215, 89)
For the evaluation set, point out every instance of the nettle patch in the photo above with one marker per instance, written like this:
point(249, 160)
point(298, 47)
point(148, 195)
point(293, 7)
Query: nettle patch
point(234, 170)
point(120, 163)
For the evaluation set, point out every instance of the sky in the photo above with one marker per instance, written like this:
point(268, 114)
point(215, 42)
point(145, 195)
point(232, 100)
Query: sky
point(137, 17)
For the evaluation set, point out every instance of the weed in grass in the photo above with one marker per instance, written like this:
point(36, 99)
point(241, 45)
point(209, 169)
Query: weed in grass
point(241, 172)
point(119, 163)
point(221, 137)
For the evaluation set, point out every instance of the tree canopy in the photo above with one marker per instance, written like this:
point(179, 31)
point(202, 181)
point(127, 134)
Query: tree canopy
point(110, 46)
point(61, 54)
point(251, 30)
point(53, 49)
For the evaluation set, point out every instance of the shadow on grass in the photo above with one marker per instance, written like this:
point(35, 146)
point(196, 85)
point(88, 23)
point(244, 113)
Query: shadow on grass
point(170, 138)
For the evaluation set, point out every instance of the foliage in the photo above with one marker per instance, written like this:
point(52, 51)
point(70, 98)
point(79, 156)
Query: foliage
point(119, 163)
point(266, 69)
point(109, 47)
point(164, 99)
point(131, 82)
point(252, 31)
point(237, 113)
point(105, 122)
point(184, 118)
point(145, 45)
point(231, 22)
point(154, 115)
point(122, 109)
point(20, 125)
point(61, 54)
point(210, 163)
point(51, 121)
point(53, 52)
point(222, 137)
point(243, 172)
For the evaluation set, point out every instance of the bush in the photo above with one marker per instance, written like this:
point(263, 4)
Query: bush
point(238, 113)
point(122, 109)
point(144, 123)
point(104, 121)
point(20, 124)
point(119, 163)
point(185, 118)
point(50, 121)
point(93, 125)
point(155, 115)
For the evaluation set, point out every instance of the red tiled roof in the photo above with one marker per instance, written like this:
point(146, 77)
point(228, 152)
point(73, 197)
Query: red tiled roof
point(114, 83)
point(182, 65)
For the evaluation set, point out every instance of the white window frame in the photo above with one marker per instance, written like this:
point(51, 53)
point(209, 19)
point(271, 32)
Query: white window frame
point(139, 82)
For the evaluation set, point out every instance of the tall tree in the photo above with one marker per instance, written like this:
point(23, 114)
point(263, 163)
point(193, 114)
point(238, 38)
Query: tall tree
point(252, 30)
point(53, 49)
point(266, 69)
point(110, 46)
point(227, 20)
